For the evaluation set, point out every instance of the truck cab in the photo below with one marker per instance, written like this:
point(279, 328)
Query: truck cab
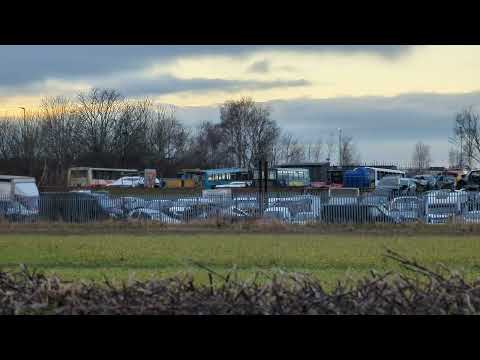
point(21, 189)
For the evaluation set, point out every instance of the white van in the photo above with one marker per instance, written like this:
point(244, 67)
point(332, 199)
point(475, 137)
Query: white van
point(21, 189)
point(441, 205)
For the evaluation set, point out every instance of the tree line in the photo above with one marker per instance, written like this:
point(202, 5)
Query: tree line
point(102, 128)
point(464, 142)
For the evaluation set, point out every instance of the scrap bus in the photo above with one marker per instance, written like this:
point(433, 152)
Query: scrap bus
point(93, 177)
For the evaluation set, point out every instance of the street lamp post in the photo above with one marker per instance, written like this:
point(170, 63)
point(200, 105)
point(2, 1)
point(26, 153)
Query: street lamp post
point(339, 146)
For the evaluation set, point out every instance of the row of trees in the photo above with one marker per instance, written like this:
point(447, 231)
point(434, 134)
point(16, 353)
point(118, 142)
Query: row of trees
point(103, 129)
point(465, 141)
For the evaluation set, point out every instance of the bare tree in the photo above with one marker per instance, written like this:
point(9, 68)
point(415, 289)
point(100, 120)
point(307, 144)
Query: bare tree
point(130, 132)
point(455, 158)
point(314, 152)
point(349, 153)
point(208, 148)
point(248, 131)
point(6, 135)
point(330, 146)
point(466, 136)
point(26, 145)
point(421, 156)
point(99, 111)
point(167, 138)
point(59, 135)
point(288, 149)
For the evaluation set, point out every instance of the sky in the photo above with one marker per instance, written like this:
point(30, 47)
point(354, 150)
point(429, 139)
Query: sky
point(386, 97)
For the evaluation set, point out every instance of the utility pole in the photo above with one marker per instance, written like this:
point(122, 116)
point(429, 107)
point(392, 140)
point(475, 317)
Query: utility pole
point(340, 147)
point(260, 187)
point(265, 184)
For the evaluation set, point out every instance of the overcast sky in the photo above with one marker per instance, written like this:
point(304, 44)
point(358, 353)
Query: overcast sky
point(386, 97)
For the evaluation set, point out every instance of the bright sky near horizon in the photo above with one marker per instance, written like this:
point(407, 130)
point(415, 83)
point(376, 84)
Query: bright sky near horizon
point(386, 97)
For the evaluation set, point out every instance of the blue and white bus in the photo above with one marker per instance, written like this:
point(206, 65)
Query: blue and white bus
point(368, 177)
point(214, 177)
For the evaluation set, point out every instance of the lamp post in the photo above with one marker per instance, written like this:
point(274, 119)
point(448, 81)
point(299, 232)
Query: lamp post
point(340, 146)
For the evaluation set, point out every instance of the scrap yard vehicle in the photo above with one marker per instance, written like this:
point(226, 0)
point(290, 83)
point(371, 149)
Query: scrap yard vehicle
point(280, 213)
point(441, 205)
point(446, 182)
point(74, 207)
point(397, 185)
point(426, 182)
point(211, 178)
point(368, 178)
point(318, 171)
point(14, 211)
point(19, 198)
point(406, 208)
point(153, 212)
point(471, 181)
point(355, 213)
point(285, 177)
point(234, 184)
point(131, 182)
point(89, 177)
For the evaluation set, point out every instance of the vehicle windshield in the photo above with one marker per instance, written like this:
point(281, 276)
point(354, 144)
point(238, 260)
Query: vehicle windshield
point(26, 189)
point(79, 173)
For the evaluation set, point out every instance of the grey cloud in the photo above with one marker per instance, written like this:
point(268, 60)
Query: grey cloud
point(20, 64)
point(160, 85)
point(169, 84)
point(262, 66)
point(384, 128)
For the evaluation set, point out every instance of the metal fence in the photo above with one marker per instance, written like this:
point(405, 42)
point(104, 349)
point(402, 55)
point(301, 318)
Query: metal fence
point(288, 207)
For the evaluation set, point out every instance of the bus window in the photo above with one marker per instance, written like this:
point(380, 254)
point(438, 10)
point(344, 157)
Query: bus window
point(78, 178)
point(79, 173)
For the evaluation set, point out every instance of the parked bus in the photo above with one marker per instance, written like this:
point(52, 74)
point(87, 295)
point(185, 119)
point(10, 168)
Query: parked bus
point(214, 177)
point(286, 177)
point(318, 171)
point(90, 177)
point(368, 177)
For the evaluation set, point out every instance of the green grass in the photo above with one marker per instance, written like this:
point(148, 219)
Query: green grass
point(328, 257)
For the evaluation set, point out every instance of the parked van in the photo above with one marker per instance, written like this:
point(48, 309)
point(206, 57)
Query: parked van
point(20, 190)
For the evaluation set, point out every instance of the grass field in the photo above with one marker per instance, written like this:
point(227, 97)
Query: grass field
point(328, 257)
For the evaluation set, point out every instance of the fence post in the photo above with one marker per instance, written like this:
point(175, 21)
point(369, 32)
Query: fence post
point(260, 197)
point(265, 179)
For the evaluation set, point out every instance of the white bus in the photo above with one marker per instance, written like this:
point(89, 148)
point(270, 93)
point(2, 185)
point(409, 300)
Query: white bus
point(91, 177)
point(376, 174)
